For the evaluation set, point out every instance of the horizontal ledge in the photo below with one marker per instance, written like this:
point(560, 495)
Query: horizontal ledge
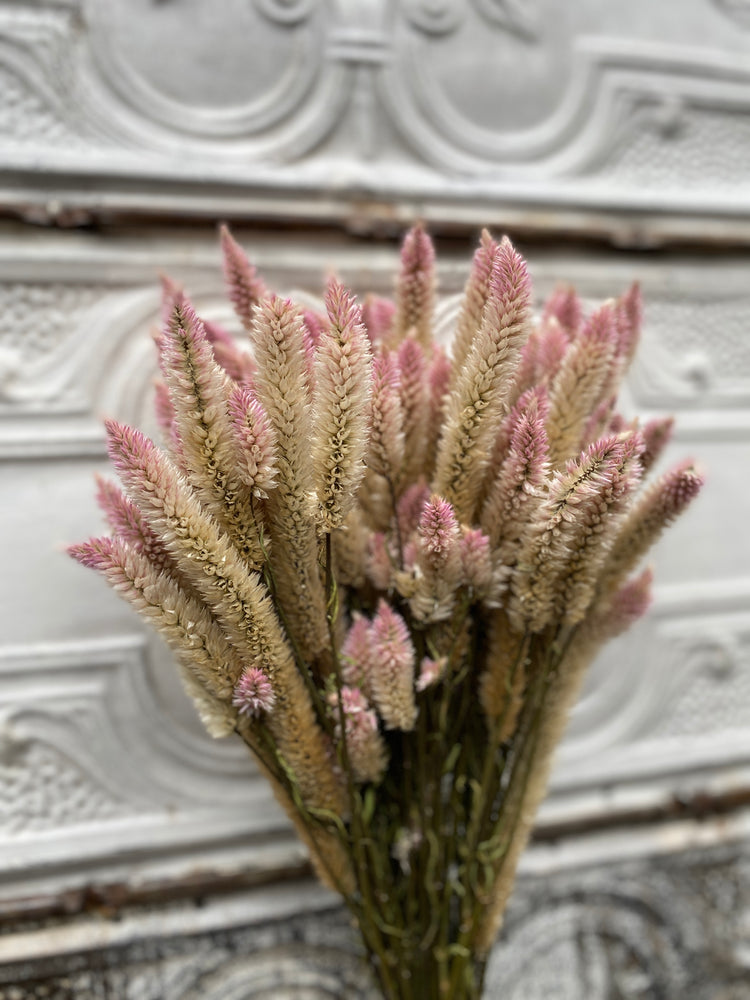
point(629, 221)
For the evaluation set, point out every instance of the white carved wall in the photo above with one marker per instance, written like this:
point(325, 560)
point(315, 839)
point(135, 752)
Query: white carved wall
point(122, 119)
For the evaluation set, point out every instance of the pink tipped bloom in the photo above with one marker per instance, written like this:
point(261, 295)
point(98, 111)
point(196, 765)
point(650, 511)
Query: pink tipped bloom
point(393, 669)
point(170, 292)
point(246, 288)
point(656, 434)
point(96, 553)
point(165, 414)
point(386, 454)
point(521, 477)
point(379, 565)
point(438, 530)
point(356, 653)
point(415, 288)
point(476, 560)
point(430, 672)
point(256, 442)
point(342, 406)
point(253, 693)
point(677, 488)
point(410, 506)
point(475, 296)
point(127, 522)
point(237, 363)
point(564, 306)
point(377, 315)
point(629, 603)
point(415, 402)
point(629, 319)
point(365, 747)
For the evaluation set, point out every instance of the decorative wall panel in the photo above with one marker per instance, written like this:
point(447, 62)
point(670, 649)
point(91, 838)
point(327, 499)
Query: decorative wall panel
point(357, 110)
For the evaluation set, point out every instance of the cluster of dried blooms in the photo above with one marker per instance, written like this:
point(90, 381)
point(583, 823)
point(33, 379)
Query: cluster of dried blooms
point(386, 568)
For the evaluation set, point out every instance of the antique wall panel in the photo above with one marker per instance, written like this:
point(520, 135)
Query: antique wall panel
point(629, 121)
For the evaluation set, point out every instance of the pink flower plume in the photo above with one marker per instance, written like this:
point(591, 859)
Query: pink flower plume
point(253, 693)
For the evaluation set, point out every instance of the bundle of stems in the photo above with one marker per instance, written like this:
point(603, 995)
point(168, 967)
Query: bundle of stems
point(386, 568)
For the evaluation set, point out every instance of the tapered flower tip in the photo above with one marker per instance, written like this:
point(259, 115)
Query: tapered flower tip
point(679, 487)
point(170, 292)
point(128, 447)
point(510, 280)
point(430, 672)
point(629, 318)
point(631, 601)
point(417, 250)
point(564, 307)
point(601, 326)
point(245, 287)
point(476, 560)
point(411, 504)
point(656, 435)
point(377, 316)
point(438, 526)
point(253, 693)
point(96, 553)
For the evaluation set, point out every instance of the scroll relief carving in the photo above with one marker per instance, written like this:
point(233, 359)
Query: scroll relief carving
point(544, 96)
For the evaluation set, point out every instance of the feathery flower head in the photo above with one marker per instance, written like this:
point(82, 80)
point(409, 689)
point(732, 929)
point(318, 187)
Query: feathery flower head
point(386, 452)
point(392, 678)
point(246, 289)
point(253, 693)
point(438, 529)
point(476, 560)
point(356, 653)
point(377, 315)
point(256, 443)
point(430, 672)
point(415, 287)
point(564, 307)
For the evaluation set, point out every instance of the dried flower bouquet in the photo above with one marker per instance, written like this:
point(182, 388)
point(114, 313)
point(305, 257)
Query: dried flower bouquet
point(386, 568)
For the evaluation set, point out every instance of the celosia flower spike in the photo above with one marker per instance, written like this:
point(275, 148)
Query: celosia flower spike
point(513, 497)
point(246, 289)
point(629, 319)
point(415, 288)
point(476, 562)
point(439, 561)
point(180, 617)
point(654, 511)
point(392, 678)
point(365, 747)
point(238, 599)
point(377, 315)
point(474, 300)
point(476, 405)
point(282, 389)
point(564, 307)
point(386, 453)
point(657, 434)
point(583, 380)
point(356, 654)
point(127, 522)
point(415, 405)
point(569, 538)
point(430, 672)
point(438, 379)
point(343, 388)
point(438, 530)
point(199, 391)
point(253, 693)
point(255, 442)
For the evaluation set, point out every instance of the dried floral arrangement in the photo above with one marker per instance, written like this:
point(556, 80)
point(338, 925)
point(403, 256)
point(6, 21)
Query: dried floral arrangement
point(386, 568)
